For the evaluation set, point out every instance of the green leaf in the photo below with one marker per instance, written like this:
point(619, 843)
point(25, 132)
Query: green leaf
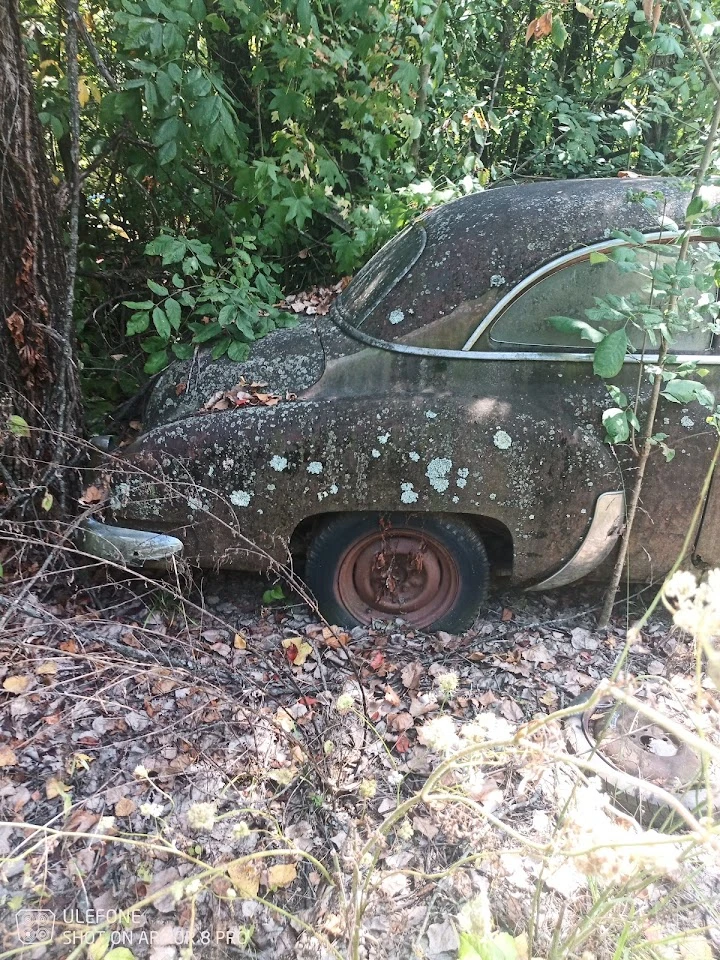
point(597, 257)
point(274, 593)
point(712, 233)
point(558, 34)
point(238, 352)
point(578, 327)
point(138, 304)
point(156, 362)
point(685, 391)
point(138, 323)
point(616, 424)
point(207, 332)
point(156, 288)
point(119, 953)
point(167, 152)
point(47, 501)
point(303, 15)
point(696, 206)
point(99, 947)
point(18, 426)
point(610, 354)
point(161, 322)
point(174, 312)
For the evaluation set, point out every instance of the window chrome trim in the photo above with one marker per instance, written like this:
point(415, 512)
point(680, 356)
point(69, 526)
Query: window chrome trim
point(576, 256)
point(712, 359)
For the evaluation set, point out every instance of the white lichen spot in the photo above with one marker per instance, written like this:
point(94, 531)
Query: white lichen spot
point(687, 422)
point(430, 414)
point(408, 495)
point(240, 498)
point(383, 437)
point(497, 280)
point(437, 472)
point(493, 496)
point(211, 469)
point(228, 463)
point(279, 463)
point(462, 476)
point(270, 487)
point(397, 316)
point(502, 440)
point(334, 488)
point(315, 467)
point(194, 503)
point(456, 499)
point(583, 510)
point(531, 517)
point(414, 456)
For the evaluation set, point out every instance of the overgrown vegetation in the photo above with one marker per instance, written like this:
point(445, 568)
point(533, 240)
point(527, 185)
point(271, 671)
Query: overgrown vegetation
point(233, 149)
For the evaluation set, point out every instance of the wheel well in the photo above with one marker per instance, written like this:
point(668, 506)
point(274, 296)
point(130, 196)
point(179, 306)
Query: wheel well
point(495, 535)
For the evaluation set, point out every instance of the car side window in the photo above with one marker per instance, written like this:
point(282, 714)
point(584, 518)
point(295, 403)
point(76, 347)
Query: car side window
point(571, 291)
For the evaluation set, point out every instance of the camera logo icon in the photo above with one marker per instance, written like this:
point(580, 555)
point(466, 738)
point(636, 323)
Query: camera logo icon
point(35, 926)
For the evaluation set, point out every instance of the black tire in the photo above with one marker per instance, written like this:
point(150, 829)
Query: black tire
point(457, 551)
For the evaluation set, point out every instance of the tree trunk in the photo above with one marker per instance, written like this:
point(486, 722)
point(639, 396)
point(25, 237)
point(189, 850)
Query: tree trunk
point(38, 373)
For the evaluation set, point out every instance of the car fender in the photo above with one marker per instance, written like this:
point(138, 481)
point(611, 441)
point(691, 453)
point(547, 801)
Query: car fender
point(235, 485)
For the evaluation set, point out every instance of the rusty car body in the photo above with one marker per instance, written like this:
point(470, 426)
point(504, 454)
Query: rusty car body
point(437, 425)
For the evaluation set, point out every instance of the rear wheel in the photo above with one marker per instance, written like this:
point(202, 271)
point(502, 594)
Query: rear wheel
point(431, 571)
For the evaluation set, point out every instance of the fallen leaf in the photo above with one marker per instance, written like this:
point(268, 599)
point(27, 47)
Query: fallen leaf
point(402, 744)
point(377, 661)
point(125, 807)
point(507, 615)
point(240, 642)
point(92, 494)
point(281, 875)
point(298, 650)
point(17, 684)
point(47, 669)
point(411, 675)
point(55, 788)
point(392, 697)
point(8, 757)
point(245, 877)
point(284, 720)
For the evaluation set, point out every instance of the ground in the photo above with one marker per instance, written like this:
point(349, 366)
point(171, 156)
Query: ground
point(245, 781)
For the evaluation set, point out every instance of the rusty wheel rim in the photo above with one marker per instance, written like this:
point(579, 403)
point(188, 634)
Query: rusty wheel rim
point(397, 573)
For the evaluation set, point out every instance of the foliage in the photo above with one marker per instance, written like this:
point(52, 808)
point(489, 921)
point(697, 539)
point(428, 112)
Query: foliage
point(287, 140)
point(675, 294)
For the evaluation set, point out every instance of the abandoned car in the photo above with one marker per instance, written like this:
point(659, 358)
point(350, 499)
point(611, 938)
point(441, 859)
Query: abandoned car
point(434, 426)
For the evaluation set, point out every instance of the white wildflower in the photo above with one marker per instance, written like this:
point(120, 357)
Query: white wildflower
point(447, 683)
point(439, 735)
point(202, 816)
point(344, 703)
point(151, 809)
point(141, 772)
point(241, 830)
point(195, 886)
point(487, 726)
point(405, 830)
point(367, 789)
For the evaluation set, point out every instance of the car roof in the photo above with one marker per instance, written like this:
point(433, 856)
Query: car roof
point(487, 242)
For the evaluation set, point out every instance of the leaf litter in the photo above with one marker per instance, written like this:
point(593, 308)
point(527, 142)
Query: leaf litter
point(245, 756)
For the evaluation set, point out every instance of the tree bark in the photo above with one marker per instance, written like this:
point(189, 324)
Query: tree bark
point(38, 372)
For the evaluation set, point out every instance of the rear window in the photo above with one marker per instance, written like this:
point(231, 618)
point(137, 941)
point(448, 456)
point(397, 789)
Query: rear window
point(572, 290)
point(379, 275)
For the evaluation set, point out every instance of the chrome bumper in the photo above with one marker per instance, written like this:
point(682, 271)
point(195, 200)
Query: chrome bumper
point(126, 546)
point(605, 529)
